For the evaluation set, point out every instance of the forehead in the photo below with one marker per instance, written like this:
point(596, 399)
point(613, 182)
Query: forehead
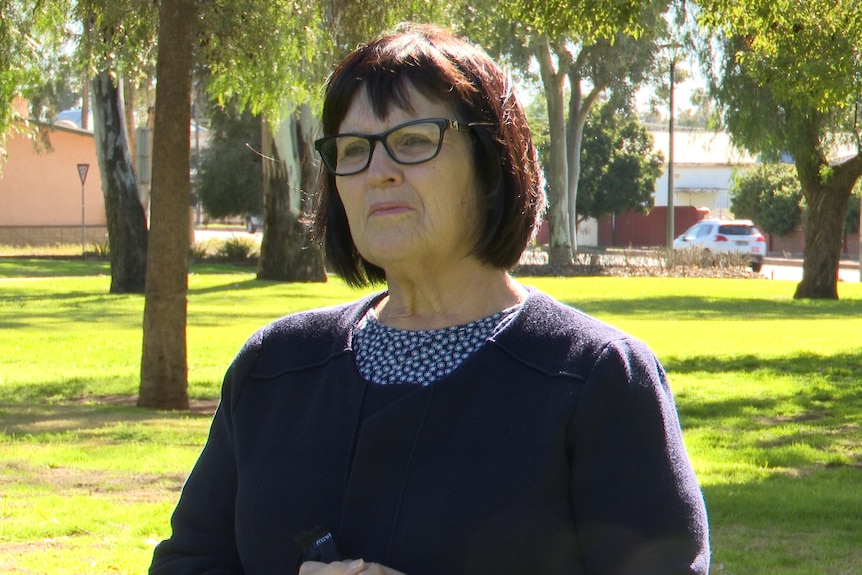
point(361, 116)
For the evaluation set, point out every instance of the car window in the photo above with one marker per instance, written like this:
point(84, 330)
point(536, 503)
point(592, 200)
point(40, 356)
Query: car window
point(736, 230)
point(704, 231)
point(692, 232)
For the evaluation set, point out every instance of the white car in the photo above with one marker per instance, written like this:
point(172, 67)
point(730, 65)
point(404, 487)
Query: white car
point(739, 236)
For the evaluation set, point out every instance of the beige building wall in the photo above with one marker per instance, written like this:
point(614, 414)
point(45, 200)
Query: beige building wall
point(40, 190)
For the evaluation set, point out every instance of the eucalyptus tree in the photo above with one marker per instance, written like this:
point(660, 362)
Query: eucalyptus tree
point(581, 50)
point(117, 41)
point(790, 80)
point(20, 55)
point(8, 73)
point(164, 362)
point(42, 43)
point(255, 54)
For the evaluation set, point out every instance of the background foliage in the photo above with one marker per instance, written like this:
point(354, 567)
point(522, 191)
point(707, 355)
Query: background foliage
point(770, 195)
point(618, 167)
point(231, 175)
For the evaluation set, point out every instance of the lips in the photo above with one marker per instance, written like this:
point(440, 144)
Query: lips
point(388, 208)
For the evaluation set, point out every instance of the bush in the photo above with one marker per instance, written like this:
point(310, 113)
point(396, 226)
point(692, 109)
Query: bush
point(779, 211)
point(770, 195)
point(201, 250)
point(237, 248)
point(652, 262)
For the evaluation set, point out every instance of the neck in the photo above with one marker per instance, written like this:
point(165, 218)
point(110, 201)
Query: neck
point(441, 303)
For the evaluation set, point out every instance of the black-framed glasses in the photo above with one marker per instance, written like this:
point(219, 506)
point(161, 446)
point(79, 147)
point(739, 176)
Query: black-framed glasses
point(408, 143)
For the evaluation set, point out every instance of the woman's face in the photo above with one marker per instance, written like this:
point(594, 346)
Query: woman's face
point(419, 216)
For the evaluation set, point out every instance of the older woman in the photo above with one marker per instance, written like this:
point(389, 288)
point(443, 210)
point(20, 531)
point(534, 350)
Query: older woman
point(457, 422)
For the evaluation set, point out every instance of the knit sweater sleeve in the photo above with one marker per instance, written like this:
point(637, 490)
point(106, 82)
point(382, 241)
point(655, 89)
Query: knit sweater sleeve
point(637, 504)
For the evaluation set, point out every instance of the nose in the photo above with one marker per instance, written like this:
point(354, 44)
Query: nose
point(380, 164)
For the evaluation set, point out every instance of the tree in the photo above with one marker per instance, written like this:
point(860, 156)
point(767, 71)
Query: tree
point(270, 67)
point(618, 167)
point(164, 364)
point(789, 82)
point(231, 178)
point(116, 42)
point(770, 195)
point(17, 63)
point(127, 224)
point(288, 254)
point(38, 38)
point(582, 50)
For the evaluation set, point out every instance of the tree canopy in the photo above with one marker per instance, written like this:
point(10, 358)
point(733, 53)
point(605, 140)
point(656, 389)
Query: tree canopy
point(618, 167)
point(769, 195)
point(230, 182)
point(789, 81)
point(582, 49)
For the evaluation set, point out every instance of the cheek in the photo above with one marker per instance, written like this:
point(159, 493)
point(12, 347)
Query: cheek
point(351, 209)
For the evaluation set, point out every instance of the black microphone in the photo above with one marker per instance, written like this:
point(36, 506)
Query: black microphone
point(318, 545)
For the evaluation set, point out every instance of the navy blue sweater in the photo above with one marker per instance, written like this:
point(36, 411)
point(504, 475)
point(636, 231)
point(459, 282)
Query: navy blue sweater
point(554, 449)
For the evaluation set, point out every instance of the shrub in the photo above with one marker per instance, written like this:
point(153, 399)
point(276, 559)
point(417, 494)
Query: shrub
point(237, 248)
point(770, 195)
point(200, 250)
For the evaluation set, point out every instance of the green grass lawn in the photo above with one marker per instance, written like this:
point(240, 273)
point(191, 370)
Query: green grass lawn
point(769, 392)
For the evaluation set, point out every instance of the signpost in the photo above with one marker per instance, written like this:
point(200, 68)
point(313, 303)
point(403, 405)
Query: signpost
point(82, 173)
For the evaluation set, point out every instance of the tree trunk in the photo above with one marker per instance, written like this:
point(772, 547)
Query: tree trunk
point(824, 239)
point(286, 251)
point(560, 248)
point(579, 109)
point(127, 225)
point(164, 365)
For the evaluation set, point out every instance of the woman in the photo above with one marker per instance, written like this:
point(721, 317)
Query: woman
point(457, 422)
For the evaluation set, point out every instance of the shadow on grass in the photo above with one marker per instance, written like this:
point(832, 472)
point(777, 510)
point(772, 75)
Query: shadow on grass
point(79, 306)
point(69, 266)
point(706, 308)
point(14, 267)
point(87, 420)
point(846, 364)
point(828, 385)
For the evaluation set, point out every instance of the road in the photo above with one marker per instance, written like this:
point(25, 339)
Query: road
point(202, 234)
point(791, 270)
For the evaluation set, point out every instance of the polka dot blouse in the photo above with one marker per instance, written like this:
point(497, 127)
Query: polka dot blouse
point(386, 355)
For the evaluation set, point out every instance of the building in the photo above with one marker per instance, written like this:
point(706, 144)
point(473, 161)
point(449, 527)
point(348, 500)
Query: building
point(704, 163)
point(42, 198)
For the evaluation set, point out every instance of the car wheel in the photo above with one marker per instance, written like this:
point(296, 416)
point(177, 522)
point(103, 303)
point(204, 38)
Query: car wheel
point(756, 267)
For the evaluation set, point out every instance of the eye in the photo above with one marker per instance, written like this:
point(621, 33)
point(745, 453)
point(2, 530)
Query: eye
point(417, 139)
point(352, 148)
point(413, 139)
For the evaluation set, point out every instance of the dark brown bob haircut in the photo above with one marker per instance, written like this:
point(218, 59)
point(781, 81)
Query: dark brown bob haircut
point(443, 68)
